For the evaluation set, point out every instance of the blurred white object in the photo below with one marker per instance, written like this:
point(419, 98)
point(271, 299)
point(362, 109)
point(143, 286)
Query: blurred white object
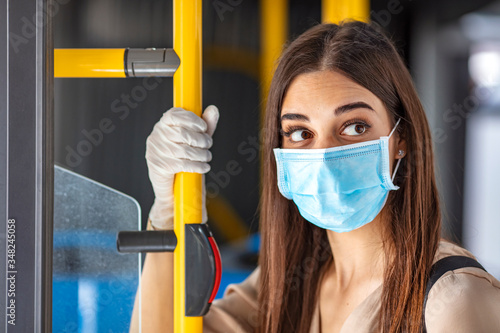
point(481, 229)
point(484, 65)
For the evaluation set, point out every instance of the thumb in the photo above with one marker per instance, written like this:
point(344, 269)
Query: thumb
point(211, 117)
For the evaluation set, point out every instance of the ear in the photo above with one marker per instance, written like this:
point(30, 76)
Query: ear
point(401, 150)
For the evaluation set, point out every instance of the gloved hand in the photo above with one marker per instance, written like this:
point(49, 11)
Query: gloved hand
point(179, 142)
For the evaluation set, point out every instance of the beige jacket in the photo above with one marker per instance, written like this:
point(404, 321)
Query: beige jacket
point(463, 300)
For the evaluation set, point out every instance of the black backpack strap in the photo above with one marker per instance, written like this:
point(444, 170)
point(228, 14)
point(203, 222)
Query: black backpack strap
point(441, 267)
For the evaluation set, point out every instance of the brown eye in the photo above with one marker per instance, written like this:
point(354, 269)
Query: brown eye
point(360, 129)
point(354, 129)
point(300, 135)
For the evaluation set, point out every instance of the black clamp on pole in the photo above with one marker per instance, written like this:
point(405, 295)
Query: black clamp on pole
point(202, 260)
point(146, 241)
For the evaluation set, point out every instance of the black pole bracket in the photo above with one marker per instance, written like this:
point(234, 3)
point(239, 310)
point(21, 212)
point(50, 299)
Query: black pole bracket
point(146, 241)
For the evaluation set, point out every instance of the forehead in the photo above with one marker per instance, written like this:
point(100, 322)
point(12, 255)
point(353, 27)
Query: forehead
point(326, 89)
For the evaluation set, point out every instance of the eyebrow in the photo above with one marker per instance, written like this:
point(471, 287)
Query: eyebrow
point(338, 111)
point(351, 106)
point(295, 116)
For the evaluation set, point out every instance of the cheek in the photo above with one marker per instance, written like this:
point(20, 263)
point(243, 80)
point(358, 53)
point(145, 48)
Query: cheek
point(283, 143)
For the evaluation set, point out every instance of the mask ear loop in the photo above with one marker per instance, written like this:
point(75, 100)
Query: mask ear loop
point(395, 170)
point(395, 126)
point(399, 161)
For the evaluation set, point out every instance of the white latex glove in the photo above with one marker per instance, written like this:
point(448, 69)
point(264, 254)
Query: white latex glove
point(179, 142)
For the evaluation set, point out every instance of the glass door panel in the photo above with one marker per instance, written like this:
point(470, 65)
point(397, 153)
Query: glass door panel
point(94, 286)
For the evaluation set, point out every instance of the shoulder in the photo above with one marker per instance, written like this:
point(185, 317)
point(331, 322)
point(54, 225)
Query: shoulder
point(243, 293)
point(463, 300)
point(246, 289)
point(237, 310)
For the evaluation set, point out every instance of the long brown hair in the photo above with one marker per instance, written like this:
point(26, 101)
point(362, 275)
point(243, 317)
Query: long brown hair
point(293, 250)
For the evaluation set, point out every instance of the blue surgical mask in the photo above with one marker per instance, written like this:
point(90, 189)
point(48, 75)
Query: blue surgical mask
point(340, 188)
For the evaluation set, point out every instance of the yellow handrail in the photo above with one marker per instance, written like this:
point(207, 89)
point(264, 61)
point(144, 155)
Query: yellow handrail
point(89, 63)
point(334, 11)
point(106, 63)
point(273, 35)
point(187, 186)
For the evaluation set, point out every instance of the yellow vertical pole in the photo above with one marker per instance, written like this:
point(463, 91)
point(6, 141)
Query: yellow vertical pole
point(273, 35)
point(187, 186)
point(334, 11)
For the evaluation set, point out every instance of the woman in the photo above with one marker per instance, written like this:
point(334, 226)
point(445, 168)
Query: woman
point(350, 218)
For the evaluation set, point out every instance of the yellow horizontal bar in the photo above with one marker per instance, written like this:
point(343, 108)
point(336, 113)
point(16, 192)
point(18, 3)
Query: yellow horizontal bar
point(89, 63)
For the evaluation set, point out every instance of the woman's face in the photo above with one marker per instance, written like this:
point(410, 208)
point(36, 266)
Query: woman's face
point(326, 109)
